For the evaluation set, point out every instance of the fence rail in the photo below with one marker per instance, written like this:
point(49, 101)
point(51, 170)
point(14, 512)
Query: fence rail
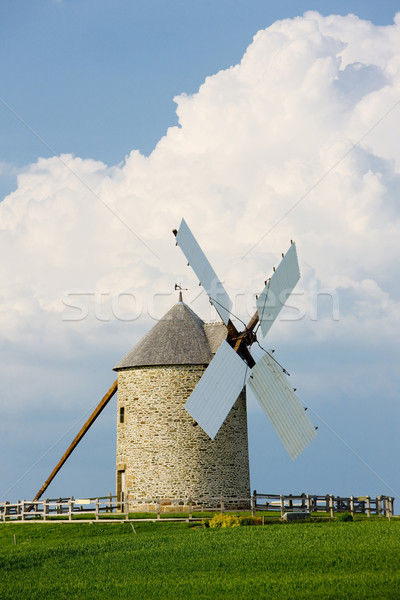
point(68, 509)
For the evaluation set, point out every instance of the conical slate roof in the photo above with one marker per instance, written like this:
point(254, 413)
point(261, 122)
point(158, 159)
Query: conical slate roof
point(179, 338)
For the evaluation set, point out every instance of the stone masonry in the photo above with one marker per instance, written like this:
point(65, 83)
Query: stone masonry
point(161, 451)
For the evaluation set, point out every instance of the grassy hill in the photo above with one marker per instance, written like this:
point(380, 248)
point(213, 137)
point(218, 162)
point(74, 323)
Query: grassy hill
point(171, 561)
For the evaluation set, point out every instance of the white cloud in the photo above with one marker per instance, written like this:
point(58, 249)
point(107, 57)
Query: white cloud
point(253, 141)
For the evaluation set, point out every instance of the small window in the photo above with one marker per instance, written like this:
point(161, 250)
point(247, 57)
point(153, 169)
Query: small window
point(122, 414)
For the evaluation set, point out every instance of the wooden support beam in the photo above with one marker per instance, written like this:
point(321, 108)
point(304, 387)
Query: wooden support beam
point(102, 404)
point(253, 322)
point(238, 343)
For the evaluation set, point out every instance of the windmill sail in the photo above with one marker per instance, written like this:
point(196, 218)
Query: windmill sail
point(218, 389)
point(282, 406)
point(278, 289)
point(227, 374)
point(204, 271)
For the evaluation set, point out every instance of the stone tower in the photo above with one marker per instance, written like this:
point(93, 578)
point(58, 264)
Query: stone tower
point(161, 452)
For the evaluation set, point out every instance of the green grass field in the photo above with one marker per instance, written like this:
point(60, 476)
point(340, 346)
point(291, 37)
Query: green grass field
point(355, 560)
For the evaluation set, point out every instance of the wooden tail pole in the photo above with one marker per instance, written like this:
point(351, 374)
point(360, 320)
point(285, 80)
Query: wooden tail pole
point(103, 403)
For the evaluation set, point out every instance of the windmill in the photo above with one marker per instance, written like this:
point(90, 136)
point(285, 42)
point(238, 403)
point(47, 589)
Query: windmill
point(233, 366)
point(183, 371)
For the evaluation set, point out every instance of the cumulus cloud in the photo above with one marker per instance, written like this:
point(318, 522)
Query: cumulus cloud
point(303, 118)
point(298, 141)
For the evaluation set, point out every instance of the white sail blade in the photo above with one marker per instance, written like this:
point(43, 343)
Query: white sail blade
point(218, 389)
point(204, 271)
point(281, 406)
point(278, 289)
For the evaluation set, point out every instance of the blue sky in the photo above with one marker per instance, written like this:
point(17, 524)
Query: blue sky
point(97, 80)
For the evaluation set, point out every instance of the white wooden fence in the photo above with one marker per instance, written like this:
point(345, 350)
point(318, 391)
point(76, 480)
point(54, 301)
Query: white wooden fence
point(328, 503)
point(111, 508)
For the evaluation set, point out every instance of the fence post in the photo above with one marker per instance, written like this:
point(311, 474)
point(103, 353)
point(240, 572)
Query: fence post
point(368, 505)
point(387, 507)
point(190, 508)
point(96, 509)
point(23, 510)
point(378, 506)
point(308, 502)
point(222, 505)
point(282, 499)
point(331, 506)
point(6, 510)
point(70, 508)
point(253, 506)
point(111, 509)
point(158, 508)
point(352, 505)
point(391, 500)
point(45, 509)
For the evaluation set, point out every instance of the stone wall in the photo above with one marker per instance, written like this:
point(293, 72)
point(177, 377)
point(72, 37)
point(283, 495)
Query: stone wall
point(160, 450)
